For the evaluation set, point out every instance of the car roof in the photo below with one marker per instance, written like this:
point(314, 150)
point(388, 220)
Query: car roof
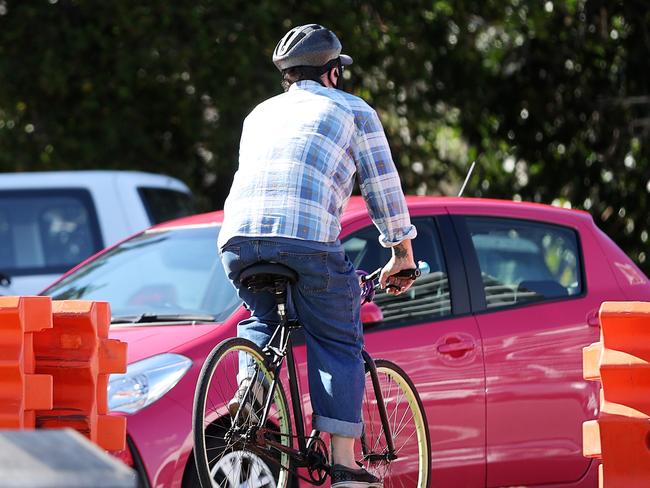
point(356, 208)
point(84, 178)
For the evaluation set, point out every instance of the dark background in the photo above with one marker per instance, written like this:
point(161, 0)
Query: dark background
point(552, 99)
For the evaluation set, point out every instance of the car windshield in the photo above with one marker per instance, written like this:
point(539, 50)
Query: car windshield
point(165, 274)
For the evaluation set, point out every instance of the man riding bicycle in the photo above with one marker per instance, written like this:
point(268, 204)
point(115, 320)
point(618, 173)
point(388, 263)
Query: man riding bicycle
point(300, 153)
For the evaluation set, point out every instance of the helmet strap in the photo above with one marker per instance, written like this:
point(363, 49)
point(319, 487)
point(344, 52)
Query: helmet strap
point(313, 73)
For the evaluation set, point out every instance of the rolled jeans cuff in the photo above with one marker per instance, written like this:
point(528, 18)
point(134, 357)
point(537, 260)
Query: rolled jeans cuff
point(337, 427)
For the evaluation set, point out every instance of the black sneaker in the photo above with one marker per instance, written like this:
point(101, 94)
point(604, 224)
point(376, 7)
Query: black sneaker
point(250, 409)
point(343, 477)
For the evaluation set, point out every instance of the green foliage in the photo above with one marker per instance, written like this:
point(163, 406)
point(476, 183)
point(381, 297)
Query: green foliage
point(550, 98)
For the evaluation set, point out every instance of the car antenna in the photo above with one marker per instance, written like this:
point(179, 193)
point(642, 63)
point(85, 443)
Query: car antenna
point(469, 174)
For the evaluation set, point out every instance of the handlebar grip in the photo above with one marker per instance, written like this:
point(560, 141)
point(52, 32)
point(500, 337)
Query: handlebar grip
point(408, 273)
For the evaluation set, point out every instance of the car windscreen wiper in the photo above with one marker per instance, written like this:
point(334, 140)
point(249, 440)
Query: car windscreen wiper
point(155, 318)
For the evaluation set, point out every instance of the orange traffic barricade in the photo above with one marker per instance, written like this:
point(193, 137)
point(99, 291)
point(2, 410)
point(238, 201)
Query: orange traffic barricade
point(621, 362)
point(77, 353)
point(21, 390)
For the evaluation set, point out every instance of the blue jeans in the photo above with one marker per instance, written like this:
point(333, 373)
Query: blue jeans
point(326, 300)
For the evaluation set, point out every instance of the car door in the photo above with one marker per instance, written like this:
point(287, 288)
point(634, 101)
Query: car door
point(528, 288)
point(430, 333)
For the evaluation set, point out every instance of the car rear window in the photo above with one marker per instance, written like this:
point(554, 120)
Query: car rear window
point(163, 204)
point(524, 261)
point(46, 231)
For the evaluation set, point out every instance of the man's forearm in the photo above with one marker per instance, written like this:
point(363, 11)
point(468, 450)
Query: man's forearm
point(403, 252)
point(400, 251)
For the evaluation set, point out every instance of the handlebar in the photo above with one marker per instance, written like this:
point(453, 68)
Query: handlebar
point(405, 273)
point(368, 285)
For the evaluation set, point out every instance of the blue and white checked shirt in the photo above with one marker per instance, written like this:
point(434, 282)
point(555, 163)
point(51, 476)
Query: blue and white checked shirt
point(298, 157)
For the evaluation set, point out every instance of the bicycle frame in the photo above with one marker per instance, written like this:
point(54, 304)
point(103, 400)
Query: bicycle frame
point(277, 356)
point(266, 431)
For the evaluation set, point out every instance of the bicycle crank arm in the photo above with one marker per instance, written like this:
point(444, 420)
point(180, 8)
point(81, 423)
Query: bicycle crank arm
point(263, 441)
point(375, 458)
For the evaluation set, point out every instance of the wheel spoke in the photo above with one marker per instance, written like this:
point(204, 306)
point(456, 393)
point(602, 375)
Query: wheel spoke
point(223, 454)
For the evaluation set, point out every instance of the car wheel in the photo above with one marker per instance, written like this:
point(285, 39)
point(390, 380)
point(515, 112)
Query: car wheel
point(252, 470)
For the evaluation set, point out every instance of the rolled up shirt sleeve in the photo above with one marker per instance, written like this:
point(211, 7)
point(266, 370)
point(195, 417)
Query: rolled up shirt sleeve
point(380, 184)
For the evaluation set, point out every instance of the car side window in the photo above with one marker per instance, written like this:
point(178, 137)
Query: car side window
point(46, 231)
point(523, 261)
point(164, 204)
point(429, 297)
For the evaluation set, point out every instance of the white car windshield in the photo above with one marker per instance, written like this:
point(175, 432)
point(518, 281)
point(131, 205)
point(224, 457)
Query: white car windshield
point(164, 275)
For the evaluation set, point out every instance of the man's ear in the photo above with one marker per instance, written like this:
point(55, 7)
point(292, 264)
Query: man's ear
point(333, 75)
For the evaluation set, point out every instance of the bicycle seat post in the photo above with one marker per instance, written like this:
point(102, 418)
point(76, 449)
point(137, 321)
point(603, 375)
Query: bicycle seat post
point(280, 294)
point(274, 278)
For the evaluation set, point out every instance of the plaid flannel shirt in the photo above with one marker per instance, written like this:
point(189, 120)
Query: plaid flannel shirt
point(298, 157)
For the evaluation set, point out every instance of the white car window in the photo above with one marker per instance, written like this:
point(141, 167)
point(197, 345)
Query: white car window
point(164, 204)
point(45, 232)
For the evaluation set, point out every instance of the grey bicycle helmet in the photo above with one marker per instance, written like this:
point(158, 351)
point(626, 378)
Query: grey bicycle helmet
point(308, 45)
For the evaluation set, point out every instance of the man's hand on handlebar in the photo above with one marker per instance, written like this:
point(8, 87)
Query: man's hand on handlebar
point(395, 278)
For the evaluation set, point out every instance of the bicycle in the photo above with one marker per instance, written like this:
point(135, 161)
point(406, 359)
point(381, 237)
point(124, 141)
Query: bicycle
point(253, 445)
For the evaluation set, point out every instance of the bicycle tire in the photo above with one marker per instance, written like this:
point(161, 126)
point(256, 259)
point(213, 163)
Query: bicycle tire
point(409, 427)
point(225, 463)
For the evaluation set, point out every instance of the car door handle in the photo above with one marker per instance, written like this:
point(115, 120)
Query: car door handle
point(592, 319)
point(456, 347)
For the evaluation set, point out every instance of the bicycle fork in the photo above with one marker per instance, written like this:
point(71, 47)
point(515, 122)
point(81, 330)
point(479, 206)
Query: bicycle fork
point(383, 415)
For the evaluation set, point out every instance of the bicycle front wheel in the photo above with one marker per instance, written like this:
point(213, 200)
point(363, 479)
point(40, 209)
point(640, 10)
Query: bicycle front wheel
point(226, 450)
point(410, 463)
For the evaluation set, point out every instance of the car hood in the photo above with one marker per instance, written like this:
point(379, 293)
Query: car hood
point(145, 340)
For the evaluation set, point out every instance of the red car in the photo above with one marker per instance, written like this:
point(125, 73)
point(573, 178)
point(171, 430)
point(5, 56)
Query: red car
point(492, 336)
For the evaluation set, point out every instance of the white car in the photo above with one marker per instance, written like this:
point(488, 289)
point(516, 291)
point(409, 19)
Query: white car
point(51, 221)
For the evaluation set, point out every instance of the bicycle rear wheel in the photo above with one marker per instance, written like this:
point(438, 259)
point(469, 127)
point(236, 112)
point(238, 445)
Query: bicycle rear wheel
point(408, 424)
point(226, 453)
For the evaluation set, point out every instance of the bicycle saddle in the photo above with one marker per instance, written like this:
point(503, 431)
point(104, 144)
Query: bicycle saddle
point(264, 275)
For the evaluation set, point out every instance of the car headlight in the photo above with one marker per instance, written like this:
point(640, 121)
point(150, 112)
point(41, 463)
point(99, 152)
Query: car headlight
point(145, 382)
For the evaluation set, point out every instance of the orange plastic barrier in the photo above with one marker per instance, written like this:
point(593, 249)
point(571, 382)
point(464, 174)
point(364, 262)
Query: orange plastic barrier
point(80, 357)
point(21, 391)
point(621, 362)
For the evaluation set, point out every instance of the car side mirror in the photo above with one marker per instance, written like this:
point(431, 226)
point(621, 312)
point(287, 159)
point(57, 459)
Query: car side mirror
point(371, 314)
